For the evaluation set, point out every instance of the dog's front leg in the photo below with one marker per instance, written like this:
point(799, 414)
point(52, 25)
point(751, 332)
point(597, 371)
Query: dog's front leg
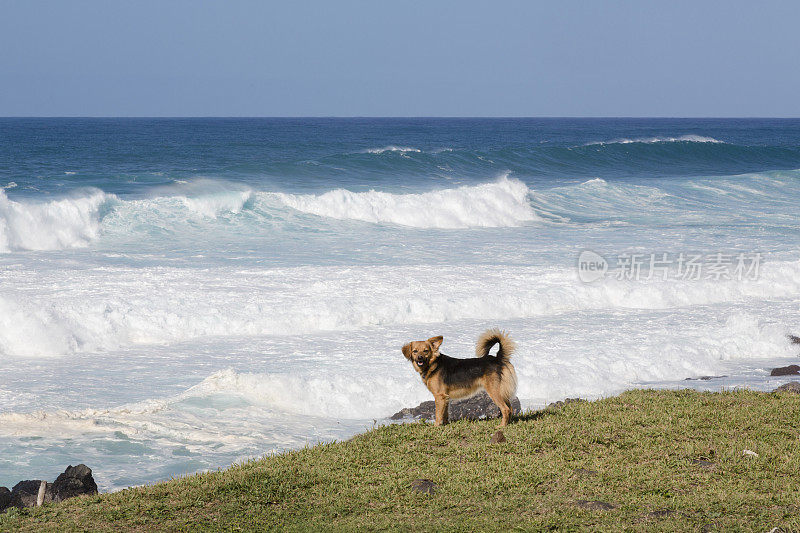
point(442, 402)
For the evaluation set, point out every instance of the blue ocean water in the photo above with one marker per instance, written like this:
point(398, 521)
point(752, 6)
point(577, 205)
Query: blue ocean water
point(179, 294)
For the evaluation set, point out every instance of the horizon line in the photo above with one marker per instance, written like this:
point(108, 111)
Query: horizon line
point(499, 117)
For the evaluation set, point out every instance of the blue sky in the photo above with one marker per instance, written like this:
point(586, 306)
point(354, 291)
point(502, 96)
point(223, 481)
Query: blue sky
point(376, 58)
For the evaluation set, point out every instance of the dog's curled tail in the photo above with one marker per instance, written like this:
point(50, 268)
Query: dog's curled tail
point(493, 336)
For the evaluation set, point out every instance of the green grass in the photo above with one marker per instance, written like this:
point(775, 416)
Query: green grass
point(667, 461)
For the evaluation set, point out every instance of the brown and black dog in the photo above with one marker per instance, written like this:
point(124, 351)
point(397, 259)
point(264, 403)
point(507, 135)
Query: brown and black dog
point(450, 378)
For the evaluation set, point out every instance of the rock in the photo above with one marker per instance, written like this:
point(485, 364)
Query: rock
point(5, 498)
point(498, 437)
point(794, 339)
point(704, 378)
point(595, 505)
point(792, 386)
point(475, 408)
point(75, 481)
point(25, 493)
point(703, 463)
point(785, 370)
point(425, 486)
point(562, 403)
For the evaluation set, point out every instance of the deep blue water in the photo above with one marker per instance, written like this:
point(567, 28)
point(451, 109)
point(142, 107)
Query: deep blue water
point(129, 156)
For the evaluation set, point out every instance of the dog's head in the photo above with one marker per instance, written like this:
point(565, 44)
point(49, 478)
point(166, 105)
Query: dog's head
point(423, 353)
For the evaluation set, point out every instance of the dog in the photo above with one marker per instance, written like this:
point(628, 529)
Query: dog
point(450, 378)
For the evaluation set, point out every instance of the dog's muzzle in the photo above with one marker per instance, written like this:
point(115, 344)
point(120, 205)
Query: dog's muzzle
point(420, 362)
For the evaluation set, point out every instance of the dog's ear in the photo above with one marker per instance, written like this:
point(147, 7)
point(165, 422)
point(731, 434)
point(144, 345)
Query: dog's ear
point(436, 342)
point(407, 351)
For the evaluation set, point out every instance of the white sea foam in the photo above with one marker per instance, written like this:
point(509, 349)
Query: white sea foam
point(653, 140)
point(114, 308)
point(51, 225)
point(503, 203)
point(391, 148)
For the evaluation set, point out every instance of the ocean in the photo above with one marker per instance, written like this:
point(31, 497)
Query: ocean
point(177, 295)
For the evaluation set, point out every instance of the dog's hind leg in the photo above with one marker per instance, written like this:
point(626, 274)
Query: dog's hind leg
point(503, 403)
point(442, 414)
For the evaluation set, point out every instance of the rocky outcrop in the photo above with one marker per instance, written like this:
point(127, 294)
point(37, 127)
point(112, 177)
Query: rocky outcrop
point(75, 481)
point(785, 370)
point(25, 493)
point(792, 386)
point(475, 408)
point(5, 498)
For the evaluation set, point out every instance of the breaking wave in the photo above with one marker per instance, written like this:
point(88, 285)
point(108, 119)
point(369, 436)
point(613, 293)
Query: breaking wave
point(391, 149)
point(52, 225)
point(653, 140)
point(503, 203)
point(197, 207)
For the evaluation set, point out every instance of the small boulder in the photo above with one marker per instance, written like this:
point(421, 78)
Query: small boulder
point(785, 370)
point(498, 437)
point(794, 339)
point(425, 486)
point(25, 493)
point(792, 386)
point(474, 408)
point(5, 498)
point(75, 481)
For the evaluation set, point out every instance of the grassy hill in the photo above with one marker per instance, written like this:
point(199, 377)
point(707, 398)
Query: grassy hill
point(645, 460)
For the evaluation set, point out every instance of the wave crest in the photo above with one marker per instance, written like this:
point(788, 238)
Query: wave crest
point(503, 203)
point(54, 225)
point(391, 148)
point(654, 140)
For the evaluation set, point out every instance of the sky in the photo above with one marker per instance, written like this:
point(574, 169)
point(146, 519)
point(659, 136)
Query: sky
point(413, 58)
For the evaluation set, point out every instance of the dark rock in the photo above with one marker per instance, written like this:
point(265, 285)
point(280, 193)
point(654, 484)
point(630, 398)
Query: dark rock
point(475, 408)
point(425, 486)
point(794, 339)
point(25, 493)
point(498, 437)
point(704, 378)
point(562, 403)
point(5, 498)
point(583, 472)
point(423, 411)
point(75, 481)
point(595, 505)
point(785, 370)
point(703, 463)
point(792, 386)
